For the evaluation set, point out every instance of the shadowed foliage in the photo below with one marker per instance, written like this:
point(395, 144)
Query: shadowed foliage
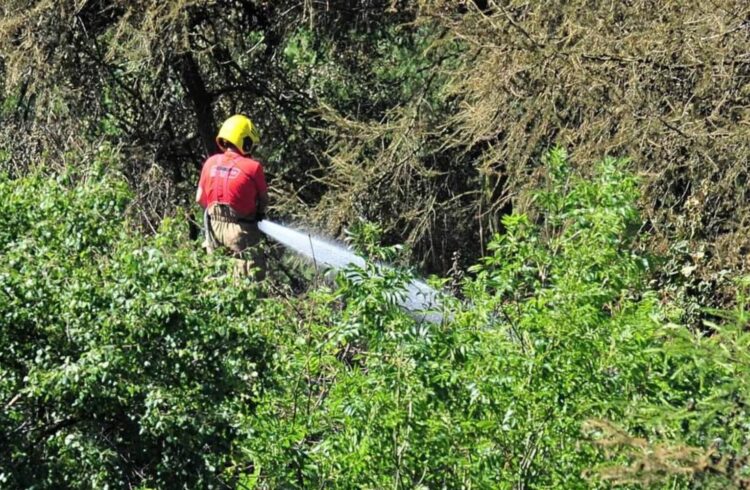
point(423, 116)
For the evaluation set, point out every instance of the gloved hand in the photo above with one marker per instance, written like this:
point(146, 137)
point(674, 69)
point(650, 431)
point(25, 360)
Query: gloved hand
point(260, 217)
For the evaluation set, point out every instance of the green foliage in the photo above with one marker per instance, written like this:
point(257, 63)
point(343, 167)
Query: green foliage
point(136, 362)
point(299, 52)
point(139, 362)
point(124, 361)
point(699, 424)
point(554, 333)
point(366, 238)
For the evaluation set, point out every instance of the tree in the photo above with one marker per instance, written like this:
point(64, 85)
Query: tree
point(156, 77)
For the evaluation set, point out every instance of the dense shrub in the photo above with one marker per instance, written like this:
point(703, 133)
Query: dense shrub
point(123, 361)
point(139, 362)
point(561, 369)
point(555, 331)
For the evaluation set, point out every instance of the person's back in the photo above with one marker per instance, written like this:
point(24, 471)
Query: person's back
point(233, 191)
point(234, 180)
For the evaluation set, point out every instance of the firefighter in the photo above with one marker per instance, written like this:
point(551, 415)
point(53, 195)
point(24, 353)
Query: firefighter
point(233, 192)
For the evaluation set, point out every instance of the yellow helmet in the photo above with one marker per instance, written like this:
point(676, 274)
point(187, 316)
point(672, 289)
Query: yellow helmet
point(240, 131)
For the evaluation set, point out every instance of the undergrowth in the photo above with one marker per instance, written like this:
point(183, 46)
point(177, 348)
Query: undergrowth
point(138, 362)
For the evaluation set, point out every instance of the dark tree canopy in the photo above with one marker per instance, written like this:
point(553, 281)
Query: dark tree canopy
point(426, 117)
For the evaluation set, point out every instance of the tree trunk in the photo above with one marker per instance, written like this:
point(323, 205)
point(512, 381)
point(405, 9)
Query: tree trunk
point(201, 101)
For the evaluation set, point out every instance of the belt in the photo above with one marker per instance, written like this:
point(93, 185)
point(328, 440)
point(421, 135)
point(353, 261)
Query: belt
point(225, 213)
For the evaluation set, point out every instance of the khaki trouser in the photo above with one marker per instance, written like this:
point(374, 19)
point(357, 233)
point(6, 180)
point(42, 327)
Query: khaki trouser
point(237, 236)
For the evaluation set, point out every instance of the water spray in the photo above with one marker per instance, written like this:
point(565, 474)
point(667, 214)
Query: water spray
point(421, 300)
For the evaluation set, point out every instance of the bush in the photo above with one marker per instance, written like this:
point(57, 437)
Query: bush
point(124, 361)
point(140, 362)
point(555, 331)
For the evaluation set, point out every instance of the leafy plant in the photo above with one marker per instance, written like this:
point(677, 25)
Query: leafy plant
point(125, 361)
point(553, 333)
point(131, 361)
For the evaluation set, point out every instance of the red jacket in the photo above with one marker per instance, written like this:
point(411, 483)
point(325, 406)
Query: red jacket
point(229, 178)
